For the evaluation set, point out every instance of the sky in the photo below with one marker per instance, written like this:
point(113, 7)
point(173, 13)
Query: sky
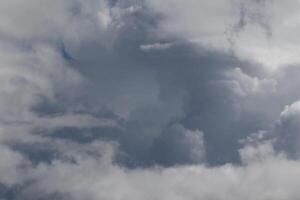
point(149, 100)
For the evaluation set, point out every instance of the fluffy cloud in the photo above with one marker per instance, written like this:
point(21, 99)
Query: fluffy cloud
point(145, 100)
point(44, 20)
point(178, 145)
point(264, 175)
point(264, 31)
point(287, 129)
point(11, 166)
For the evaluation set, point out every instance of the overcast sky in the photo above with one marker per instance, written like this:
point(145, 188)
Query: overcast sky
point(149, 99)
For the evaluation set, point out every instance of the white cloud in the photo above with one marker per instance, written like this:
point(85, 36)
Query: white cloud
point(288, 130)
point(48, 20)
point(73, 120)
point(28, 75)
point(33, 69)
point(262, 31)
point(291, 111)
point(273, 177)
point(12, 164)
point(155, 46)
point(244, 85)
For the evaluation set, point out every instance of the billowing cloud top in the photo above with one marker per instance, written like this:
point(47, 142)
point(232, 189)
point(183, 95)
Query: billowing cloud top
point(128, 99)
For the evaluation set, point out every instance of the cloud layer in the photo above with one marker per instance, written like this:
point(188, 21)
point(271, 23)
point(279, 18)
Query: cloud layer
point(147, 99)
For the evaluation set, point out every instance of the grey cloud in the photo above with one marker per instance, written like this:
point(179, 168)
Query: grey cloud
point(261, 31)
point(95, 177)
point(99, 96)
point(177, 145)
point(287, 131)
point(198, 89)
point(254, 12)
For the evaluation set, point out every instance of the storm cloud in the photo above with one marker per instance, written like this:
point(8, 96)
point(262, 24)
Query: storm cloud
point(127, 99)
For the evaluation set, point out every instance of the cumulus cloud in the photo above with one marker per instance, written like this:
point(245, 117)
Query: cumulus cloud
point(44, 20)
point(260, 30)
point(178, 145)
point(111, 99)
point(11, 166)
point(287, 129)
point(264, 175)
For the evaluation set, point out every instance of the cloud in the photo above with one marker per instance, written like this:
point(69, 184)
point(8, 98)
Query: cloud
point(94, 101)
point(156, 46)
point(91, 177)
point(11, 166)
point(43, 20)
point(287, 130)
point(178, 145)
point(260, 30)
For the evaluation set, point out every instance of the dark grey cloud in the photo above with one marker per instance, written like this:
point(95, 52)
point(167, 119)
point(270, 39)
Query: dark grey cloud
point(98, 96)
point(177, 145)
point(149, 91)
